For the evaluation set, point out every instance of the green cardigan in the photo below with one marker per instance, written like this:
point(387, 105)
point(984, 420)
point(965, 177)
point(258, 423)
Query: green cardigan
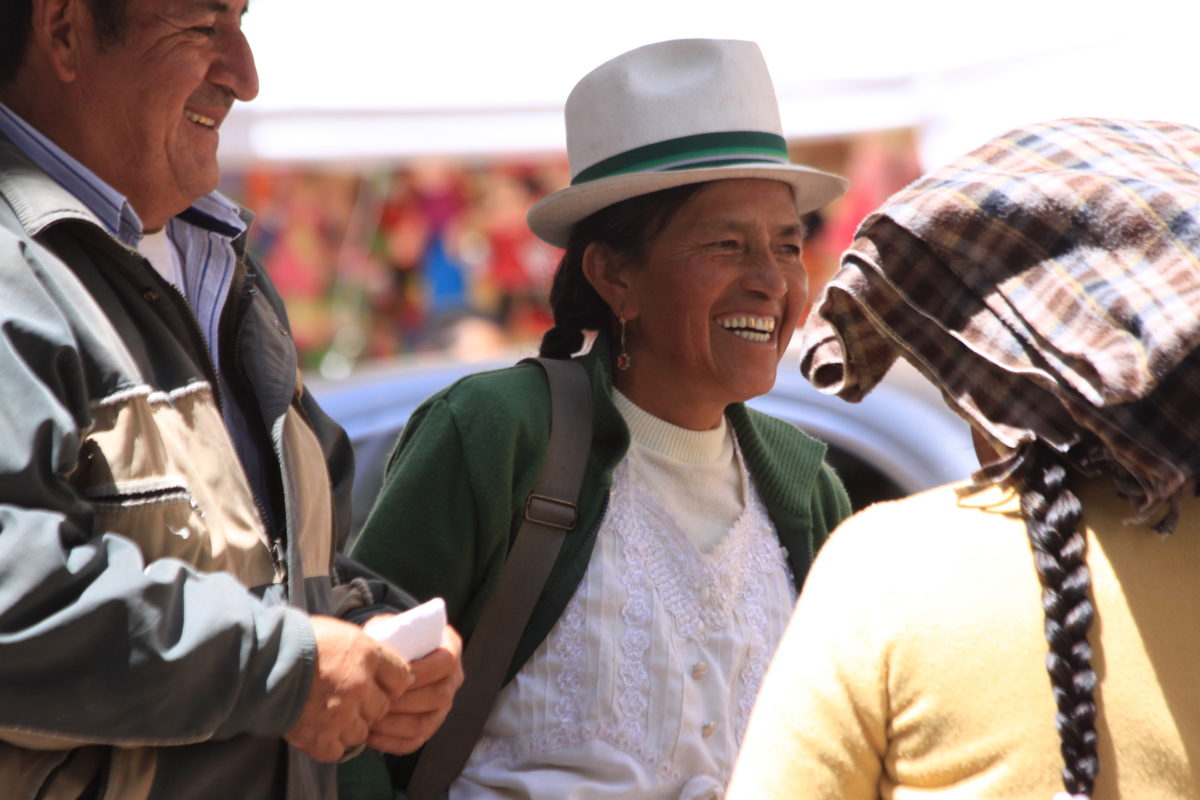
point(455, 488)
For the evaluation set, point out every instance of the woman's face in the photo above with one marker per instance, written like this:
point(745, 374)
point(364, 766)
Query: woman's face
point(713, 305)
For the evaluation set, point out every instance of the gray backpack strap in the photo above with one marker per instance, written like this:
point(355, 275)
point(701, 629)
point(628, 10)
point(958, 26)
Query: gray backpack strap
point(551, 510)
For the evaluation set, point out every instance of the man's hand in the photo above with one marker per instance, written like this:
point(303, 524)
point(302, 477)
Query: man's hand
point(356, 681)
point(417, 714)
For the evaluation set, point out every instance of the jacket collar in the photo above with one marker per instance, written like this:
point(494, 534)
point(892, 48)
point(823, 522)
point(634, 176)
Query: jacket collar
point(37, 199)
point(40, 201)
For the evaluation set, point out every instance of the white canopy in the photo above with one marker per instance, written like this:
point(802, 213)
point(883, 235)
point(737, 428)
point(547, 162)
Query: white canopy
point(371, 81)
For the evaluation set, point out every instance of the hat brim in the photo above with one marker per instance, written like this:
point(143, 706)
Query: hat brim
point(552, 218)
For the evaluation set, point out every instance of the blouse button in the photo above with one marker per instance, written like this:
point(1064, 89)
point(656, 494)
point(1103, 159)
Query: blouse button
point(699, 670)
point(709, 729)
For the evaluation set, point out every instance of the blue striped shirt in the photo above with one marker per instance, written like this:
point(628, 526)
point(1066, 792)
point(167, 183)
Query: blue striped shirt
point(203, 234)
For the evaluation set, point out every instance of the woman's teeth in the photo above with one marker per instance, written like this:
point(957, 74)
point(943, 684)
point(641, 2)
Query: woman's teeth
point(751, 328)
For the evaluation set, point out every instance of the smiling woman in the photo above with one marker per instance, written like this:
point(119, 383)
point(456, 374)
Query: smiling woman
point(711, 304)
point(677, 294)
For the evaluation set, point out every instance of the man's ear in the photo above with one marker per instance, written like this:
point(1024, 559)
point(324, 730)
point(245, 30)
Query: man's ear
point(609, 274)
point(59, 30)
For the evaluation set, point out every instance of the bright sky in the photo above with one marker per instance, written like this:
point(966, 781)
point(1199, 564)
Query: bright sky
point(469, 76)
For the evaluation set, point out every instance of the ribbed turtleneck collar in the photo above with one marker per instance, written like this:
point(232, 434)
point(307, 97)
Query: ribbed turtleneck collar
point(682, 444)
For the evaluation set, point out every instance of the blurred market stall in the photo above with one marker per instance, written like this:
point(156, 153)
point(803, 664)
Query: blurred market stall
point(395, 146)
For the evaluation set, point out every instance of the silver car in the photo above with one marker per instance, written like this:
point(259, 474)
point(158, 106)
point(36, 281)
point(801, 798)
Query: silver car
point(900, 439)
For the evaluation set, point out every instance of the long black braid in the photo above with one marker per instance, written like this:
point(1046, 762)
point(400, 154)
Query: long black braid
point(627, 227)
point(1052, 515)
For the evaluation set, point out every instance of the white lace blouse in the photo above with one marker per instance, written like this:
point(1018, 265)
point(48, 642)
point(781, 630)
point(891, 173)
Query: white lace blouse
point(644, 687)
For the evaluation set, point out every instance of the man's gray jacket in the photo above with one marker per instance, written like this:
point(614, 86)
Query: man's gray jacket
point(154, 640)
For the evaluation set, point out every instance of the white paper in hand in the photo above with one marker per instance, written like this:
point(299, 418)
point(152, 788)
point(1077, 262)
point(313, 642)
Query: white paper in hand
point(415, 633)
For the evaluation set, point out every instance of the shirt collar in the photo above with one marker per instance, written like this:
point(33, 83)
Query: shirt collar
point(213, 212)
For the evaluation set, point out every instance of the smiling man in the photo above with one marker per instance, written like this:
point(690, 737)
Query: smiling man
point(171, 497)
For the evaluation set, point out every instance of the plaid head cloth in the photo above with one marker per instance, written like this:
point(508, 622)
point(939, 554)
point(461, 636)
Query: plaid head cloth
point(1048, 283)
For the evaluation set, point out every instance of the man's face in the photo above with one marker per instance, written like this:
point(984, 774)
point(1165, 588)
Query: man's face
point(153, 101)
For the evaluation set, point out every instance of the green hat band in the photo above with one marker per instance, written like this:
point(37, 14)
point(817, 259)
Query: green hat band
point(692, 152)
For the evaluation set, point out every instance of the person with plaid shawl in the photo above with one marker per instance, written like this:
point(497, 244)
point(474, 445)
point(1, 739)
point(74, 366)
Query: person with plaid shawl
point(1048, 283)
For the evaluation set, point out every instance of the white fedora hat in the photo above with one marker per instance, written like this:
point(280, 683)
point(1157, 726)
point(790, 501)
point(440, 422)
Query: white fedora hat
point(669, 114)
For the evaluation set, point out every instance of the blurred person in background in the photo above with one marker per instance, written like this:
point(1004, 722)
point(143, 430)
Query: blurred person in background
point(171, 497)
point(1049, 283)
point(680, 288)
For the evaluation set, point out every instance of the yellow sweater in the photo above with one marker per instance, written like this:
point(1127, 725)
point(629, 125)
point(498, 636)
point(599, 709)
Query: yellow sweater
point(914, 663)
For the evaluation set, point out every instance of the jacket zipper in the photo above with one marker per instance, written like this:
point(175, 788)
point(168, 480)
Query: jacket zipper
point(244, 297)
point(147, 495)
point(181, 304)
point(277, 548)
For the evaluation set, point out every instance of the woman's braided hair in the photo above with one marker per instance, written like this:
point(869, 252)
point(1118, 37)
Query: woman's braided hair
point(1053, 515)
point(627, 227)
